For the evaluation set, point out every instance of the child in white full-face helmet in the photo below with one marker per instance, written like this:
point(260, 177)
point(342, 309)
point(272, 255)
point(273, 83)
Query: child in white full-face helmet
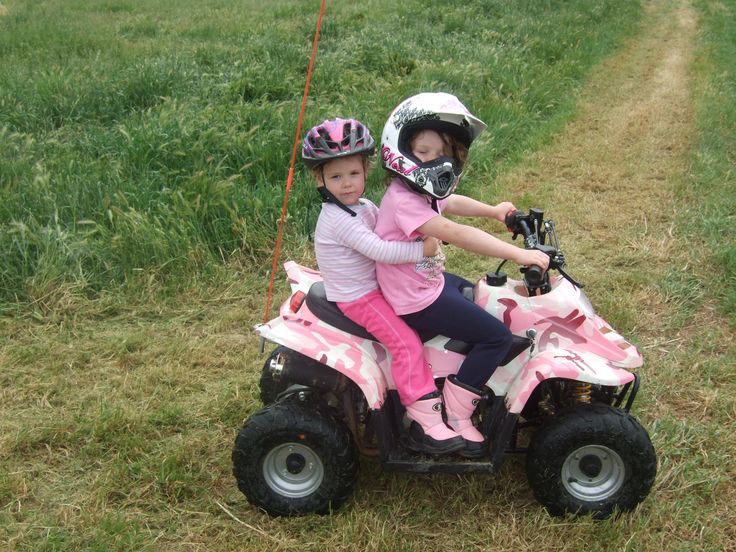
point(337, 155)
point(424, 147)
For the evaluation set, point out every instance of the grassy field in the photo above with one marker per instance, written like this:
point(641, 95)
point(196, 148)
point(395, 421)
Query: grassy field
point(150, 140)
point(143, 153)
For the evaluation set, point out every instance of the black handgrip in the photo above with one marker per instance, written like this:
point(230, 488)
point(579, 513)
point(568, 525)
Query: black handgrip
point(510, 220)
point(534, 275)
point(524, 227)
point(518, 223)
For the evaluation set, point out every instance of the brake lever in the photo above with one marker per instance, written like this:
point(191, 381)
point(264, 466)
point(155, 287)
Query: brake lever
point(569, 278)
point(557, 261)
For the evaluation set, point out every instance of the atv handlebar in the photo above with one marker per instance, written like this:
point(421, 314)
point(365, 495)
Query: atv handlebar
point(518, 223)
point(536, 231)
point(534, 275)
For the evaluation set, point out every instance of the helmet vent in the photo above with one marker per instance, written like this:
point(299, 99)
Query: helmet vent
point(326, 141)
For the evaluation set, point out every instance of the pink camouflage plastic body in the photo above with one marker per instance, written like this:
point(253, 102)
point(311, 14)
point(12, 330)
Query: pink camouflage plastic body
point(572, 342)
point(364, 361)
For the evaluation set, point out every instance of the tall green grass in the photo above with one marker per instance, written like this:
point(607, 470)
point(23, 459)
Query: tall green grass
point(711, 187)
point(142, 138)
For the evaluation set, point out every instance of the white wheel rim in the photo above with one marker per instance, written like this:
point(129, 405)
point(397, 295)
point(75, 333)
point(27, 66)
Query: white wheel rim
point(293, 470)
point(593, 473)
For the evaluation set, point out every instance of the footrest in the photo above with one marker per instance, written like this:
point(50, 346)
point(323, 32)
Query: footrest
point(406, 461)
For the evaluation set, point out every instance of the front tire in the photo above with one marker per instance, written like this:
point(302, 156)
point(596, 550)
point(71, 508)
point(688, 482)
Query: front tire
point(593, 459)
point(290, 459)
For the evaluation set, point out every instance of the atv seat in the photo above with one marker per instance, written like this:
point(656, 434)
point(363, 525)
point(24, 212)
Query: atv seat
point(328, 311)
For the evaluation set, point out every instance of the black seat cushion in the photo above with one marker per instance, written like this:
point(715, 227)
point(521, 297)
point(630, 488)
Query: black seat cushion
point(329, 312)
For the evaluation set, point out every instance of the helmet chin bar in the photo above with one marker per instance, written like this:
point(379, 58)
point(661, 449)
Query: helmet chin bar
point(328, 197)
point(437, 178)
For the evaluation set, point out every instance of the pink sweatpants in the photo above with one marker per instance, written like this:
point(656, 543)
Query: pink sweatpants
point(410, 370)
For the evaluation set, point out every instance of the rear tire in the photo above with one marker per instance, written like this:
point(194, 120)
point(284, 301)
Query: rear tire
point(593, 459)
point(290, 460)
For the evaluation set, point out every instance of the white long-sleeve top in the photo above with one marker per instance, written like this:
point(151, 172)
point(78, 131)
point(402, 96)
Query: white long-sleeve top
point(347, 250)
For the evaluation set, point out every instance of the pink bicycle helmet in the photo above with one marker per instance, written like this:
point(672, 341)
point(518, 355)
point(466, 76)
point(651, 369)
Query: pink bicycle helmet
point(336, 138)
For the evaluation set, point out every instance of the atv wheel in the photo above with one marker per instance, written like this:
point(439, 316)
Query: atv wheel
point(289, 460)
point(593, 459)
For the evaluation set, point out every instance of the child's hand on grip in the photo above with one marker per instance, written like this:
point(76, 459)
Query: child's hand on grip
point(530, 257)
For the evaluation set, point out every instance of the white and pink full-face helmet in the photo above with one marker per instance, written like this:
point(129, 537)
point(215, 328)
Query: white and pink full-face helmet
point(437, 111)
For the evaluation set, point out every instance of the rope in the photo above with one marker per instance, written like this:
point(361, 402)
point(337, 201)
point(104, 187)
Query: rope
point(293, 161)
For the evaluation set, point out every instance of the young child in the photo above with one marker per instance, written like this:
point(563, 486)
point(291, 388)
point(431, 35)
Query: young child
point(424, 147)
point(337, 154)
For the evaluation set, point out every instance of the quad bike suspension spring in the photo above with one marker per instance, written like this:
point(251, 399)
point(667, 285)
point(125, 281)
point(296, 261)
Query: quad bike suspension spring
point(581, 392)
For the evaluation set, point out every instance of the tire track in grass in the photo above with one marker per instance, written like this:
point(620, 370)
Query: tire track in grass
point(609, 178)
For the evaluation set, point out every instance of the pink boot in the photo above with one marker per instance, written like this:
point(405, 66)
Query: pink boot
point(428, 432)
point(460, 403)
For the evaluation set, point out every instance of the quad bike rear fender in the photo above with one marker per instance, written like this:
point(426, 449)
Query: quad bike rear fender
point(363, 361)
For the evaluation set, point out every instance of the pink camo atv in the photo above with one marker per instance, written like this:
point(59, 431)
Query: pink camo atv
point(562, 396)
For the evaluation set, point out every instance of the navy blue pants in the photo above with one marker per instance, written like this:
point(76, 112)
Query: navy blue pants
point(454, 316)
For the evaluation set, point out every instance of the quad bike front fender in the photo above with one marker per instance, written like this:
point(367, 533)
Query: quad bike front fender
point(563, 364)
point(363, 361)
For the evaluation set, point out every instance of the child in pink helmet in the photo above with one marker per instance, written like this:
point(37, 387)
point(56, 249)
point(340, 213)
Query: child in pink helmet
point(424, 147)
point(337, 155)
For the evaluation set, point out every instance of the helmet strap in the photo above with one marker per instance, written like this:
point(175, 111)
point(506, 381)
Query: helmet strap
point(328, 197)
